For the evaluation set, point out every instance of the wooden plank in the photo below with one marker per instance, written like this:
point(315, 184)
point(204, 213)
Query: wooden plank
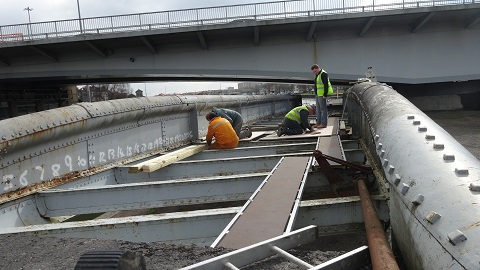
point(333, 122)
point(267, 215)
point(319, 132)
point(167, 159)
point(330, 146)
point(255, 134)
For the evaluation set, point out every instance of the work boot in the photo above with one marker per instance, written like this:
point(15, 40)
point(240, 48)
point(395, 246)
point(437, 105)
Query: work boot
point(280, 131)
point(250, 133)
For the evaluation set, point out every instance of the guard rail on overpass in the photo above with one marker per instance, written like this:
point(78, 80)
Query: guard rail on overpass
point(13, 35)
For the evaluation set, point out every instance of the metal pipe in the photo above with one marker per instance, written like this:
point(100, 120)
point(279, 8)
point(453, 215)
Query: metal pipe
point(363, 169)
point(380, 252)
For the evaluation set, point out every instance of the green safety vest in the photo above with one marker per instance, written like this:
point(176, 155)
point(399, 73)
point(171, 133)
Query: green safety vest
point(294, 114)
point(319, 83)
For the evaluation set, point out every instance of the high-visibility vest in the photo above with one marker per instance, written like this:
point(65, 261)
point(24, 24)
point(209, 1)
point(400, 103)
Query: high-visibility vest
point(294, 114)
point(320, 88)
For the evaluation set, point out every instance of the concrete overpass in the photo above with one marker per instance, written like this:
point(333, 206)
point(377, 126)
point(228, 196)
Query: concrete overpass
point(405, 42)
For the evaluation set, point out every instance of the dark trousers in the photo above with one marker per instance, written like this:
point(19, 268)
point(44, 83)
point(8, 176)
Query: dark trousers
point(292, 127)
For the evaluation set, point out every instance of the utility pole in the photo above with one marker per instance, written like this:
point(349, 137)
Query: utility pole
point(28, 9)
point(79, 17)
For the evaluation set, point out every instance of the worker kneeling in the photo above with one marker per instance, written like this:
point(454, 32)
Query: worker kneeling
point(223, 132)
point(296, 121)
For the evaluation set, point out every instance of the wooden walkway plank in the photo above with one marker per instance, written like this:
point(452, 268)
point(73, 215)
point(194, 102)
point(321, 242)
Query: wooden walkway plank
point(330, 146)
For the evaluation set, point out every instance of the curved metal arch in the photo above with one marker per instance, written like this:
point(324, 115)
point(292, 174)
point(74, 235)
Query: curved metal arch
point(429, 174)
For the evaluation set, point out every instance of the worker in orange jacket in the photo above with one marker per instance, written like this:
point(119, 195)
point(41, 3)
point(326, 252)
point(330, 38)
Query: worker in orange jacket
point(223, 132)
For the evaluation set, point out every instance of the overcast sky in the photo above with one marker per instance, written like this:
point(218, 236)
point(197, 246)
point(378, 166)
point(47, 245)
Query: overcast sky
point(13, 12)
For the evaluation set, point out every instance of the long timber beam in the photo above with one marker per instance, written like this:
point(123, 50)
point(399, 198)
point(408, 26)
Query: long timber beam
point(205, 168)
point(256, 150)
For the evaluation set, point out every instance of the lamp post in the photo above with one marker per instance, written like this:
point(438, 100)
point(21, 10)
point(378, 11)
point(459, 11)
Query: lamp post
point(29, 28)
point(79, 17)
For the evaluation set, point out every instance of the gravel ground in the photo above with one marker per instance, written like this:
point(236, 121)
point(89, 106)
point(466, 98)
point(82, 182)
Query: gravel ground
point(464, 126)
point(35, 252)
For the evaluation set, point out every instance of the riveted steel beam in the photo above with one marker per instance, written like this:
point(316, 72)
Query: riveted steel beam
point(201, 226)
point(77, 201)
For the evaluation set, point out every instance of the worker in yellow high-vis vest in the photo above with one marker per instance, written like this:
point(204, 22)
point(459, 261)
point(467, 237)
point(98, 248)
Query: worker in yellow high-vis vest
point(323, 87)
point(296, 121)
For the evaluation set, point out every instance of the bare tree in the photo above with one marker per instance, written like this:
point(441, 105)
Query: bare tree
point(118, 91)
point(102, 92)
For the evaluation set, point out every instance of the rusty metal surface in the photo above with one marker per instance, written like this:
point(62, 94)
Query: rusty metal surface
point(380, 252)
point(327, 169)
point(364, 169)
point(44, 149)
point(268, 214)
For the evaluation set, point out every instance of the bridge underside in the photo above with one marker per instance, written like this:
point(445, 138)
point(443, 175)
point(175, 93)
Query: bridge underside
point(420, 52)
point(411, 46)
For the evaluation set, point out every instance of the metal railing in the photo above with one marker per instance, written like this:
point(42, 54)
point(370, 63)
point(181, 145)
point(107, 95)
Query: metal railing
point(20, 33)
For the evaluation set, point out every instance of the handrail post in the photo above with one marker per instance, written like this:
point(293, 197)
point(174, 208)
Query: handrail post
point(168, 18)
point(79, 17)
point(198, 19)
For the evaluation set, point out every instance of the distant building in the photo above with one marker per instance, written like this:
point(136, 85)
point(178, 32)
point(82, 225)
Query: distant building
point(139, 93)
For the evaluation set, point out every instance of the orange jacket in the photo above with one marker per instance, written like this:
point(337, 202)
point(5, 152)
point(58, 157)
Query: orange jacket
point(222, 130)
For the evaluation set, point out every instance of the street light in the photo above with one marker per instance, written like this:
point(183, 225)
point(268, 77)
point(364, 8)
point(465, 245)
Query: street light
point(79, 17)
point(28, 9)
